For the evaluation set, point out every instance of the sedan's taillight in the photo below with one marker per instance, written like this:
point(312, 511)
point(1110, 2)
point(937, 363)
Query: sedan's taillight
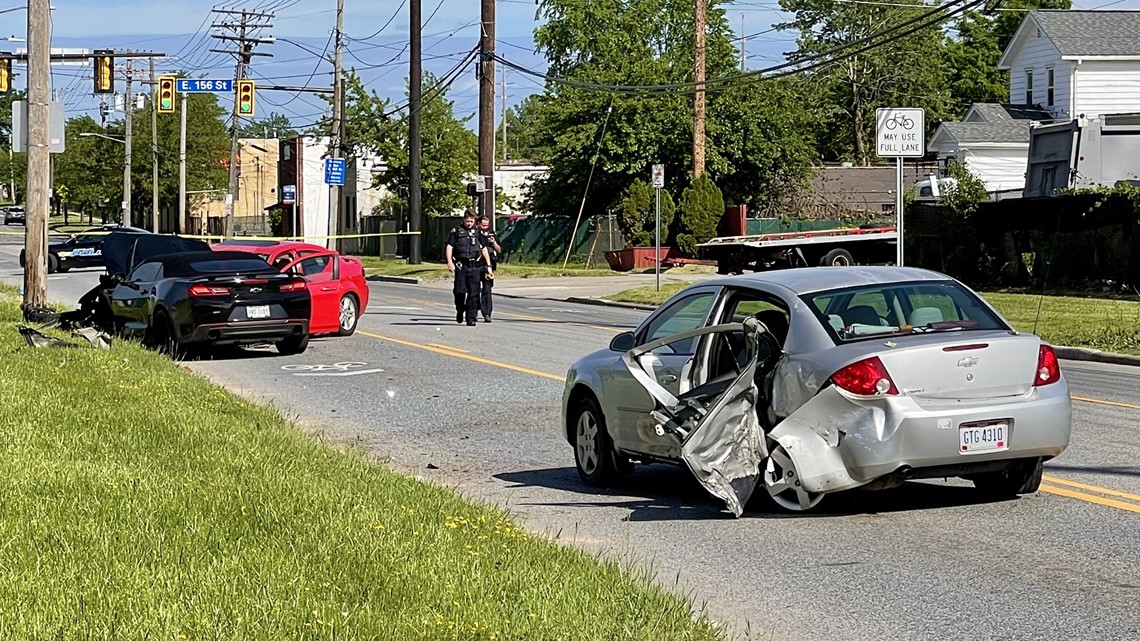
point(294, 286)
point(209, 290)
point(867, 377)
point(1048, 369)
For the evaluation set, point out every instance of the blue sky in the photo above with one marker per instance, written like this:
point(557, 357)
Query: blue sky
point(303, 27)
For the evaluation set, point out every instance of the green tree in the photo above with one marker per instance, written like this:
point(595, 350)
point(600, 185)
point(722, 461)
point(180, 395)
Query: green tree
point(274, 125)
point(13, 170)
point(701, 208)
point(902, 71)
point(523, 141)
point(89, 173)
point(974, 54)
point(637, 214)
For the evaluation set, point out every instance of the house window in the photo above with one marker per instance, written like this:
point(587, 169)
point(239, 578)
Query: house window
point(1049, 86)
point(1029, 86)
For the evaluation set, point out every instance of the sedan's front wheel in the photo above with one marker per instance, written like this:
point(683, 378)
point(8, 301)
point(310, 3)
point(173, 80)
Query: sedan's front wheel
point(598, 464)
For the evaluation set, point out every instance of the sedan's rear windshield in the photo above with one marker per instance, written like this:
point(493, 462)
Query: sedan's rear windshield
point(873, 311)
point(230, 265)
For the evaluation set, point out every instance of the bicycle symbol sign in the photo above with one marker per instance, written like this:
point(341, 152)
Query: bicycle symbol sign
point(900, 133)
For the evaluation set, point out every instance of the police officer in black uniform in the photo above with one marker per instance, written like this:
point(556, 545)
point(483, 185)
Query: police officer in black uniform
point(491, 241)
point(466, 258)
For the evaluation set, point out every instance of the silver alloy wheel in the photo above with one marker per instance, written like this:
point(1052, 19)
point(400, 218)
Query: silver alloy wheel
point(347, 313)
point(587, 442)
point(783, 483)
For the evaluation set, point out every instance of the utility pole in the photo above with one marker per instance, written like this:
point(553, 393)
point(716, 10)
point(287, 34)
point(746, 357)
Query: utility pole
point(183, 217)
point(154, 147)
point(487, 108)
point(39, 156)
point(505, 113)
point(129, 108)
point(415, 140)
point(699, 96)
point(742, 41)
point(245, 31)
point(336, 198)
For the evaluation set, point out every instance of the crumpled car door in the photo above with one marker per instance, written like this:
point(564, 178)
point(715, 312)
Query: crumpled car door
point(722, 440)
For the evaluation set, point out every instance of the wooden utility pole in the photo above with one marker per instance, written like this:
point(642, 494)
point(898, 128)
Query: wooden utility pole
point(129, 109)
point(39, 157)
point(415, 140)
point(505, 114)
point(183, 216)
point(699, 96)
point(336, 200)
point(154, 147)
point(487, 108)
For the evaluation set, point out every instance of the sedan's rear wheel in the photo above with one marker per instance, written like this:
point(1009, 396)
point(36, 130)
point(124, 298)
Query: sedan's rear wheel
point(1023, 478)
point(293, 346)
point(349, 315)
point(782, 481)
point(598, 464)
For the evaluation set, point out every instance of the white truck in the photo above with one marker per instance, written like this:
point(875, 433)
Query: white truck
point(875, 244)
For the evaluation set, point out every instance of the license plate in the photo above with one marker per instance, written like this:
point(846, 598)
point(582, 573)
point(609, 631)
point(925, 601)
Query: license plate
point(257, 311)
point(988, 436)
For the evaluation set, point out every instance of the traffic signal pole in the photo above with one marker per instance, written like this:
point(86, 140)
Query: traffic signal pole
point(154, 148)
point(183, 220)
point(129, 110)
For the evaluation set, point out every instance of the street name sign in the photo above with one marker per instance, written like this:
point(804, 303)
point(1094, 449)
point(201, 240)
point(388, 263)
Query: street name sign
point(201, 85)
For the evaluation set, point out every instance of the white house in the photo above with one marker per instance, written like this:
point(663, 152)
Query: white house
point(1061, 64)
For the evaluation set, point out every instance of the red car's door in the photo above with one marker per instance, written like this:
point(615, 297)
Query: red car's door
point(321, 272)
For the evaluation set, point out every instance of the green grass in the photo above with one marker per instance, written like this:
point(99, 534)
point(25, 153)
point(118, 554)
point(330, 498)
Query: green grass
point(438, 271)
point(1099, 323)
point(141, 501)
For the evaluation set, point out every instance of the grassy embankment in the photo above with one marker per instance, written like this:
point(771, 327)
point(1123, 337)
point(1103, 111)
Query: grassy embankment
point(141, 501)
point(1099, 323)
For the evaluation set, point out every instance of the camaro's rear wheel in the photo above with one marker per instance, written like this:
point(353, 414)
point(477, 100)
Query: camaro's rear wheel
point(349, 315)
point(598, 463)
point(783, 483)
point(160, 335)
point(1023, 478)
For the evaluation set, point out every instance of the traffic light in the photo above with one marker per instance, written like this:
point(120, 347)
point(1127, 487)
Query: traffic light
point(166, 95)
point(5, 73)
point(245, 98)
point(104, 71)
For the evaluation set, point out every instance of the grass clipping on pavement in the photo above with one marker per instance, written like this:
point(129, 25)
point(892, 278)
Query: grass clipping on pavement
point(1097, 323)
point(143, 502)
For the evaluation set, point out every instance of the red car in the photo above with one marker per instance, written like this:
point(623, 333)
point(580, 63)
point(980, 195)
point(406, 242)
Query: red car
point(336, 283)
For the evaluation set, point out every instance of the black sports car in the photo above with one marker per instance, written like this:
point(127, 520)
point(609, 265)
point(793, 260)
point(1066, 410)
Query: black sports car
point(204, 298)
point(84, 249)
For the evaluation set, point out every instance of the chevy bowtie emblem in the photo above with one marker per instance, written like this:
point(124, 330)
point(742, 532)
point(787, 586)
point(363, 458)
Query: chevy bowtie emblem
point(969, 361)
point(257, 290)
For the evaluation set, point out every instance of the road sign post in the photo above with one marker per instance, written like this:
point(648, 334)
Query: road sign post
point(899, 133)
point(658, 184)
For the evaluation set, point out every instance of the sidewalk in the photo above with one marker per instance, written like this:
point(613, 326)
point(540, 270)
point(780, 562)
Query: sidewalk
point(563, 288)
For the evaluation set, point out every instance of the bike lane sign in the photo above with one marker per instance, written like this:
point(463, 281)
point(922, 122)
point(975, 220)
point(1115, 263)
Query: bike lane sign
point(900, 132)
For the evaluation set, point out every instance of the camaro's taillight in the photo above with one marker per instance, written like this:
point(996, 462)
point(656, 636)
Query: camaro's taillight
point(209, 290)
point(294, 286)
point(1048, 369)
point(867, 377)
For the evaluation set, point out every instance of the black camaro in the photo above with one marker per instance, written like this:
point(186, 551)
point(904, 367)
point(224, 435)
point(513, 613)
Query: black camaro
point(193, 299)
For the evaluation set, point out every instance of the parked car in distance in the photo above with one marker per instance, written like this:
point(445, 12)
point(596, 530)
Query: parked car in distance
point(336, 283)
point(84, 249)
point(815, 380)
point(202, 299)
point(14, 214)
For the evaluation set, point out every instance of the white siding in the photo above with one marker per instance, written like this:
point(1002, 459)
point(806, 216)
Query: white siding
point(1036, 53)
point(1001, 168)
point(1107, 87)
point(315, 194)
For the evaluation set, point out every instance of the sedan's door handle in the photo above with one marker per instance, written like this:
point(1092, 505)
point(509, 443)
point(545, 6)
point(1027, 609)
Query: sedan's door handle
point(328, 289)
point(668, 377)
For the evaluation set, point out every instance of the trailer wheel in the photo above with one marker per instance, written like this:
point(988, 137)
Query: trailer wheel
point(837, 258)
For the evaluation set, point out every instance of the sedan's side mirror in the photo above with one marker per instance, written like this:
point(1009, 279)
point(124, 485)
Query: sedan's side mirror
point(623, 342)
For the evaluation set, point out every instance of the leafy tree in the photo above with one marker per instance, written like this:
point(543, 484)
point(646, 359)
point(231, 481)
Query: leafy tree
point(974, 54)
point(12, 170)
point(637, 214)
point(701, 208)
point(523, 141)
point(89, 172)
point(649, 42)
point(450, 149)
point(907, 70)
point(274, 125)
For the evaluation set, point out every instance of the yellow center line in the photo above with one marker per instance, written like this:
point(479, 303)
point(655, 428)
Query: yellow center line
point(1085, 399)
point(467, 357)
point(1081, 496)
point(449, 348)
point(535, 319)
point(1091, 488)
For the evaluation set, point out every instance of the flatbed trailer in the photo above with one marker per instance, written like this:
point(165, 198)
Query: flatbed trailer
point(762, 252)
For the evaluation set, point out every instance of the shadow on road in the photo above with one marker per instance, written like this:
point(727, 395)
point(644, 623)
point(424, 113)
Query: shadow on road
point(667, 493)
point(1111, 470)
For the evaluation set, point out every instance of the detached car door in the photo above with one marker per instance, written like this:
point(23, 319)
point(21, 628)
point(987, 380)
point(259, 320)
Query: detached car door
point(322, 273)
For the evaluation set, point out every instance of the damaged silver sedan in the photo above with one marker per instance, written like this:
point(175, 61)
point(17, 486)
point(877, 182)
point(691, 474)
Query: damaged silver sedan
point(805, 382)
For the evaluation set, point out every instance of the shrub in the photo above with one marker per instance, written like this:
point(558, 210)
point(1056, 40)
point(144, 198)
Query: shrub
point(702, 207)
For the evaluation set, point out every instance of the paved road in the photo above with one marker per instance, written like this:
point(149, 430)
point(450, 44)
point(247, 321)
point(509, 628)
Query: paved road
point(477, 408)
